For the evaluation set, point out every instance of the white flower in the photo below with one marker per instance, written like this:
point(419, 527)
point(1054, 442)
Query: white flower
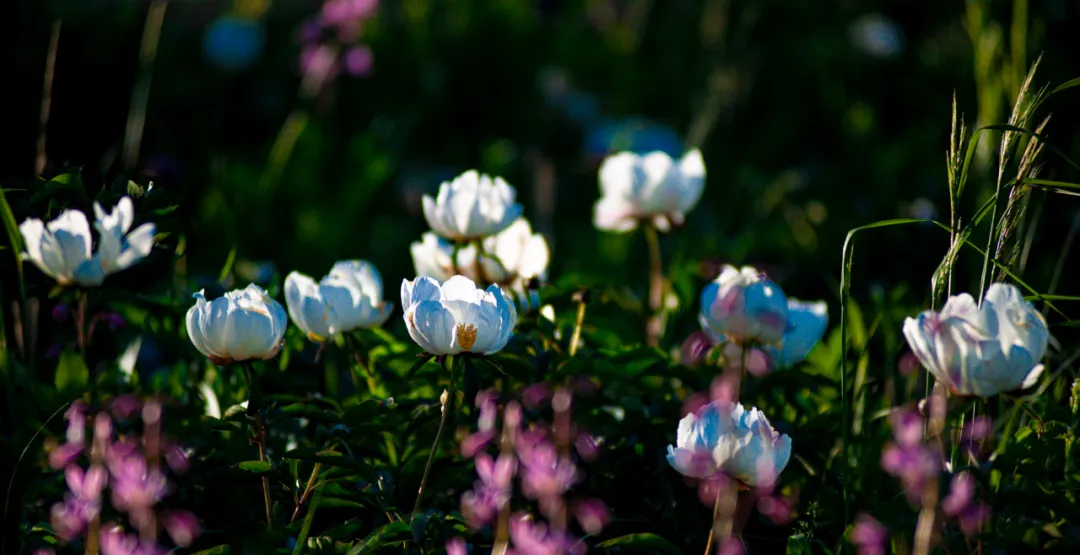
point(722, 437)
point(62, 248)
point(512, 257)
point(472, 206)
point(649, 187)
point(456, 317)
point(349, 297)
point(981, 351)
point(806, 322)
point(244, 324)
point(743, 306)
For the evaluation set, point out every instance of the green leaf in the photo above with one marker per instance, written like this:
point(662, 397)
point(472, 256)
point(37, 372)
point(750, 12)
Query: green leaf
point(227, 267)
point(257, 467)
point(798, 545)
point(641, 542)
point(65, 184)
point(72, 375)
point(14, 238)
point(393, 532)
point(134, 190)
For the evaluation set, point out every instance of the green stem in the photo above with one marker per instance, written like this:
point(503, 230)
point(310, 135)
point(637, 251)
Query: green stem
point(260, 433)
point(579, 322)
point(447, 402)
point(307, 492)
point(654, 326)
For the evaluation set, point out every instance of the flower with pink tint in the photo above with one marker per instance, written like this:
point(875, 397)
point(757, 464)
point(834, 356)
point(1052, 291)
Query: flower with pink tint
point(125, 406)
point(743, 305)
point(869, 535)
point(777, 508)
point(491, 492)
point(456, 546)
point(81, 503)
point(115, 542)
point(592, 514)
point(545, 474)
point(695, 349)
point(961, 504)
point(67, 453)
point(135, 487)
point(358, 60)
point(535, 538)
point(182, 526)
point(536, 395)
point(758, 363)
point(909, 460)
point(725, 437)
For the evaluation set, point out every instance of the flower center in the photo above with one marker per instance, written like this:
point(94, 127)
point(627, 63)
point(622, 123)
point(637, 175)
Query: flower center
point(466, 335)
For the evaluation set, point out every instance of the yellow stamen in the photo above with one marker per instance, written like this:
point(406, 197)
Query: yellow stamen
point(466, 335)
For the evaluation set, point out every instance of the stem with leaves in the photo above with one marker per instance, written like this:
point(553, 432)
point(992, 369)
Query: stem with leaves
point(447, 402)
point(253, 409)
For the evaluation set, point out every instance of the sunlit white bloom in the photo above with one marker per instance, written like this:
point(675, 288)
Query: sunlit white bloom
point(743, 306)
point(806, 322)
point(62, 248)
point(512, 257)
point(244, 324)
point(649, 187)
point(349, 297)
point(456, 317)
point(981, 350)
point(724, 437)
point(472, 206)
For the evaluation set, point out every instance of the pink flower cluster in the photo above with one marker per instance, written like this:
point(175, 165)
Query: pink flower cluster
point(542, 458)
point(128, 467)
point(330, 42)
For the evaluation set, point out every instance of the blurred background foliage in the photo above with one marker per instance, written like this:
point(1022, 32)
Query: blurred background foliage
point(814, 117)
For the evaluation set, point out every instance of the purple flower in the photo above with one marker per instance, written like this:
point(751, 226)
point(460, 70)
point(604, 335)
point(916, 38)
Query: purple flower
point(913, 466)
point(455, 546)
point(536, 395)
point(592, 514)
point(491, 492)
point(124, 406)
point(731, 546)
point(135, 488)
point(115, 542)
point(176, 457)
point(907, 427)
point(586, 445)
point(82, 503)
point(695, 350)
point(961, 504)
point(65, 454)
point(778, 508)
point(183, 527)
point(869, 535)
point(545, 475)
point(358, 60)
point(533, 538)
point(60, 313)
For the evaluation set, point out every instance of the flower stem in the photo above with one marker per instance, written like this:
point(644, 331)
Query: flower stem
point(80, 321)
point(260, 434)
point(307, 492)
point(712, 525)
point(924, 529)
point(654, 326)
point(447, 401)
point(579, 322)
